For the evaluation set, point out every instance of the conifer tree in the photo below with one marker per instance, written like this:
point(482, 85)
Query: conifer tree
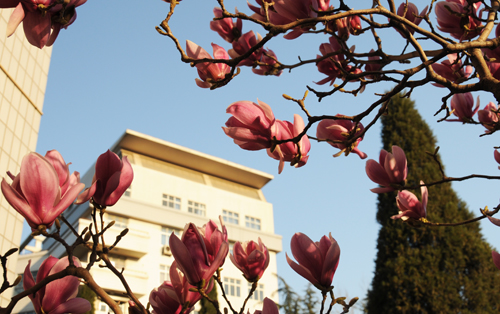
point(425, 269)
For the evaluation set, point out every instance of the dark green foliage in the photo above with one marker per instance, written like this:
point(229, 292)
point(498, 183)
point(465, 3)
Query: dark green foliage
point(89, 295)
point(428, 269)
point(206, 306)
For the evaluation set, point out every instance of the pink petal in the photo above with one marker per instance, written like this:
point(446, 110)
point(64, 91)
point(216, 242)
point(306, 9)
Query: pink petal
point(20, 204)
point(496, 258)
point(74, 306)
point(184, 260)
point(302, 271)
point(15, 18)
point(37, 28)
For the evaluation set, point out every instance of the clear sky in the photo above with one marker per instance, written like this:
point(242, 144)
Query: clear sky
point(111, 71)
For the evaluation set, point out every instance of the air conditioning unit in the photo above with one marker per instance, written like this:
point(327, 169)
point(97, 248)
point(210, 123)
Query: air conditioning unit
point(166, 251)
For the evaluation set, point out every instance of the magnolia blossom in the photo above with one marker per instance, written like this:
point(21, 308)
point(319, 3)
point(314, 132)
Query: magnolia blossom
point(391, 170)
point(58, 296)
point(269, 307)
point(462, 106)
point(409, 205)
point(200, 251)
point(296, 154)
point(268, 64)
point(335, 65)
point(339, 130)
point(251, 126)
point(42, 19)
point(452, 70)
point(210, 73)
point(373, 67)
point(496, 258)
point(288, 11)
point(317, 261)
point(111, 179)
point(251, 258)
point(243, 45)
point(488, 117)
point(449, 18)
point(410, 12)
point(43, 189)
point(225, 27)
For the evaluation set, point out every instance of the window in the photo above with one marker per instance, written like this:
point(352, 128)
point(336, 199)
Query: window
point(117, 261)
point(120, 222)
point(103, 308)
point(128, 192)
point(165, 234)
point(230, 217)
point(231, 247)
point(232, 286)
point(164, 273)
point(251, 222)
point(258, 294)
point(197, 208)
point(171, 201)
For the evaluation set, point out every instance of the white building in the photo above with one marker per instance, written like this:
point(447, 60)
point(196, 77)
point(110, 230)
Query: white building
point(172, 186)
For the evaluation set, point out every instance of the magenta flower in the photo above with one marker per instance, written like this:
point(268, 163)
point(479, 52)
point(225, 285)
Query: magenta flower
point(339, 130)
point(373, 67)
point(452, 70)
point(269, 307)
point(111, 179)
point(58, 296)
point(251, 126)
point(42, 19)
point(225, 27)
point(409, 205)
point(251, 258)
point(267, 64)
point(41, 192)
point(243, 45)
point(317, 261)
point(289, 151)
point(411, 15)
point(335, 65)
point(210, 73)
point(390, 171)
point(452, 22)
point(489, 117)
point(200, 251)
point(462, 106)
point(496, 258)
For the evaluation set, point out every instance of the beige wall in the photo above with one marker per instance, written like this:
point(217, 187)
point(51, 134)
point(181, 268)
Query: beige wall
point(23, 77)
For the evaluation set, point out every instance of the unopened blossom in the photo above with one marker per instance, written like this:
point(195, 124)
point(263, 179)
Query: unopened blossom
point(268, 307)
point(251, 259)
point(58, 296)
point(390, 171)
point(460, 22)
point(225, 27)
point(316, 261)
point(462, 106)
point(335, 65)
point(452, 69)
point(340, 130)
point(41, 192)
point(268, 64)
point(496, 259)
point(200, 251)
point(296, 154)
point(251, 125)
point(409, 205)
point(42, 19)
point(243, 45)
point(112, 178)
point(373, 67)
point(489, 117)
point(410, 12)
point(209, 73)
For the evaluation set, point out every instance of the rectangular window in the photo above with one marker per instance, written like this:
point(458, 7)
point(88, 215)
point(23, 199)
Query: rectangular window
point(171, 201)
point(230, 217)
point(258, 294)
point(164, 273)
point(231, 247)
point(197, 208)
point(117, 261)
point(232, 287)
point(251, 222)
point(166, 232)
point(128, 192)
point(120, 222)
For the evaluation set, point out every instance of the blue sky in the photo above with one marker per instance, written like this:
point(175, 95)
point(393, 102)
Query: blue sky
point(111, 71)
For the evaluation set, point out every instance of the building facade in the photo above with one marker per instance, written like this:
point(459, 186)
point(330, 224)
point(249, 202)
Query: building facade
point(172, 186)
point(23, 77)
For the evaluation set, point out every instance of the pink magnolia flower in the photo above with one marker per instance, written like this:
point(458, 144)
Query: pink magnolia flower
point(200, 251)
point(251, 126)
point(111, 179)
point(288, 11)
point(41, 192)
point(489, 118)
point(268, 64)
point(496, 258)
point(289, 151)
point(58, 296)
point(317, 261)
point(42, 19)
point(452, 23)
point(251, 258)
point(411, 15)
point(339, 130)
point(391, 170)
point(462, 106)
point(409, 205)
point(225, 27)
point(269, 307)
point(243, 45)
point(373, 67)
point(335, 65)
point(210, 73)
point(452, 70)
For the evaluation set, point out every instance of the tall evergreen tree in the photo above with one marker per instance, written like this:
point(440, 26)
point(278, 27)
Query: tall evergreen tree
point(428, 269)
